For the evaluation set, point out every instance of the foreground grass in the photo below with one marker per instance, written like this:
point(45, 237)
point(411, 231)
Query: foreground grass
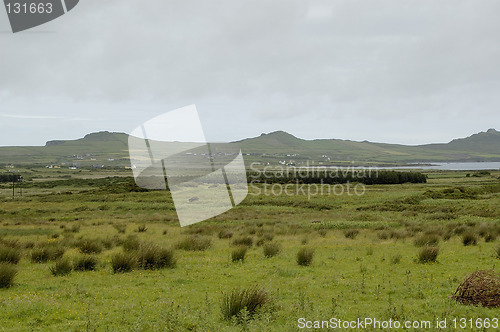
point(370, 275)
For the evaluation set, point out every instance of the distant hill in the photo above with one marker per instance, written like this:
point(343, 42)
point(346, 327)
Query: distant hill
point(110, 149)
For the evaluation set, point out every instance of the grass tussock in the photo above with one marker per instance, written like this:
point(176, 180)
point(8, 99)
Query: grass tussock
point(469, 238)
point(271, 249)
point(123, 262)
point(142, 228)
point(225, 234)
point(89, 246)
point(152, 257)
point(7, 275)
point(427, 240)
point(85, 263)
point(249, 299)
point(305, 256)
point(45, 254)
point(131, 243)
point(9, 255)
point(480, 288)
point(238, 254)
point(61, 268)
point(195, 243)
point(428, 254)
point(243, 241)
point(121, 228)
point(351, 233)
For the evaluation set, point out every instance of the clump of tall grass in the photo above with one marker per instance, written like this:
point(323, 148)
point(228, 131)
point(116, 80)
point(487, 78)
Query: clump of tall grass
point(121, 228)
point(267, 237)
point(89, 246)
point(151, 257)
point(61, 268)
point(45, 254)
point(123, 262)
point(271, 249)
point(9, 255)
point(249, 299)
point(195, 243)
point(497, 251)
point(351, 233)
point(74, 228)
point(85, 263)
point(142, 228)
point(238, 254)
point(243, 241)
point(305, 256)
point(428, 254)
point(427, 240)
point(7, 275)
point(225, 234)
point(131, 243)
point(469, 238)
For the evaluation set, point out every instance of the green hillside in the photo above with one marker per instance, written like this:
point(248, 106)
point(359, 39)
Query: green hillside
point(110, 149)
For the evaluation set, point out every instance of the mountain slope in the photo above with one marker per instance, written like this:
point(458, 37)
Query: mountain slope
point(100, 148)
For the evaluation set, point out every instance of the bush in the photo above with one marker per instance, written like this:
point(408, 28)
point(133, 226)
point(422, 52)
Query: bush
point(9, 255)
point(243, 241)
point(305, 256)
point(481, 287)
point(195, 243)
point(123, 262)
point(150, 257)
point(238, 254)
point(351, 233)
point(469, 238)
point(250, 299)
point(271, 249)
point(7, 274)
point(89, 246)
point(85, 263)
point(61, 268)
point(428, 254)
point(427, 240)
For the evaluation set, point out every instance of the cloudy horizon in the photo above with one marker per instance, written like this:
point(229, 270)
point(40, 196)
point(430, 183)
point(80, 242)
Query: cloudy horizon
point(412, 72)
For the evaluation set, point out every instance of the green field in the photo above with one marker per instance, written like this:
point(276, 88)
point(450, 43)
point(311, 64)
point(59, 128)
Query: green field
point(365, 260)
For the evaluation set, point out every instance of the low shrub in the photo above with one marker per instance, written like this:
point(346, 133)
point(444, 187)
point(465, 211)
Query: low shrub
point(238, 254)
point(249, 299)
point(305, 256)
point(195, 243)
point(123, 262)
point(271, 249)
point(9, 255)
point(7, 275)
point(428, 254)
point(61, 268)
point(85, 263)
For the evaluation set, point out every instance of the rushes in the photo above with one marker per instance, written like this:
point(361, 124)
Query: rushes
point(7, 274)
point(249, 299)
point(305, 256)
point(271, 249)
point(9, 255)
point(123, 262)
point(238, 254)
point(195, 243)
point(428, 254)
point(61, 268)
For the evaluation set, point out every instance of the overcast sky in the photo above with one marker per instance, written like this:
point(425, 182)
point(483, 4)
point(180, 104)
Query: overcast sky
point(409, 72)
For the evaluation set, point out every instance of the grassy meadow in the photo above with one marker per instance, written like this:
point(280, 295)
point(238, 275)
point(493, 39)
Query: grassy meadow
point(90, 252)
